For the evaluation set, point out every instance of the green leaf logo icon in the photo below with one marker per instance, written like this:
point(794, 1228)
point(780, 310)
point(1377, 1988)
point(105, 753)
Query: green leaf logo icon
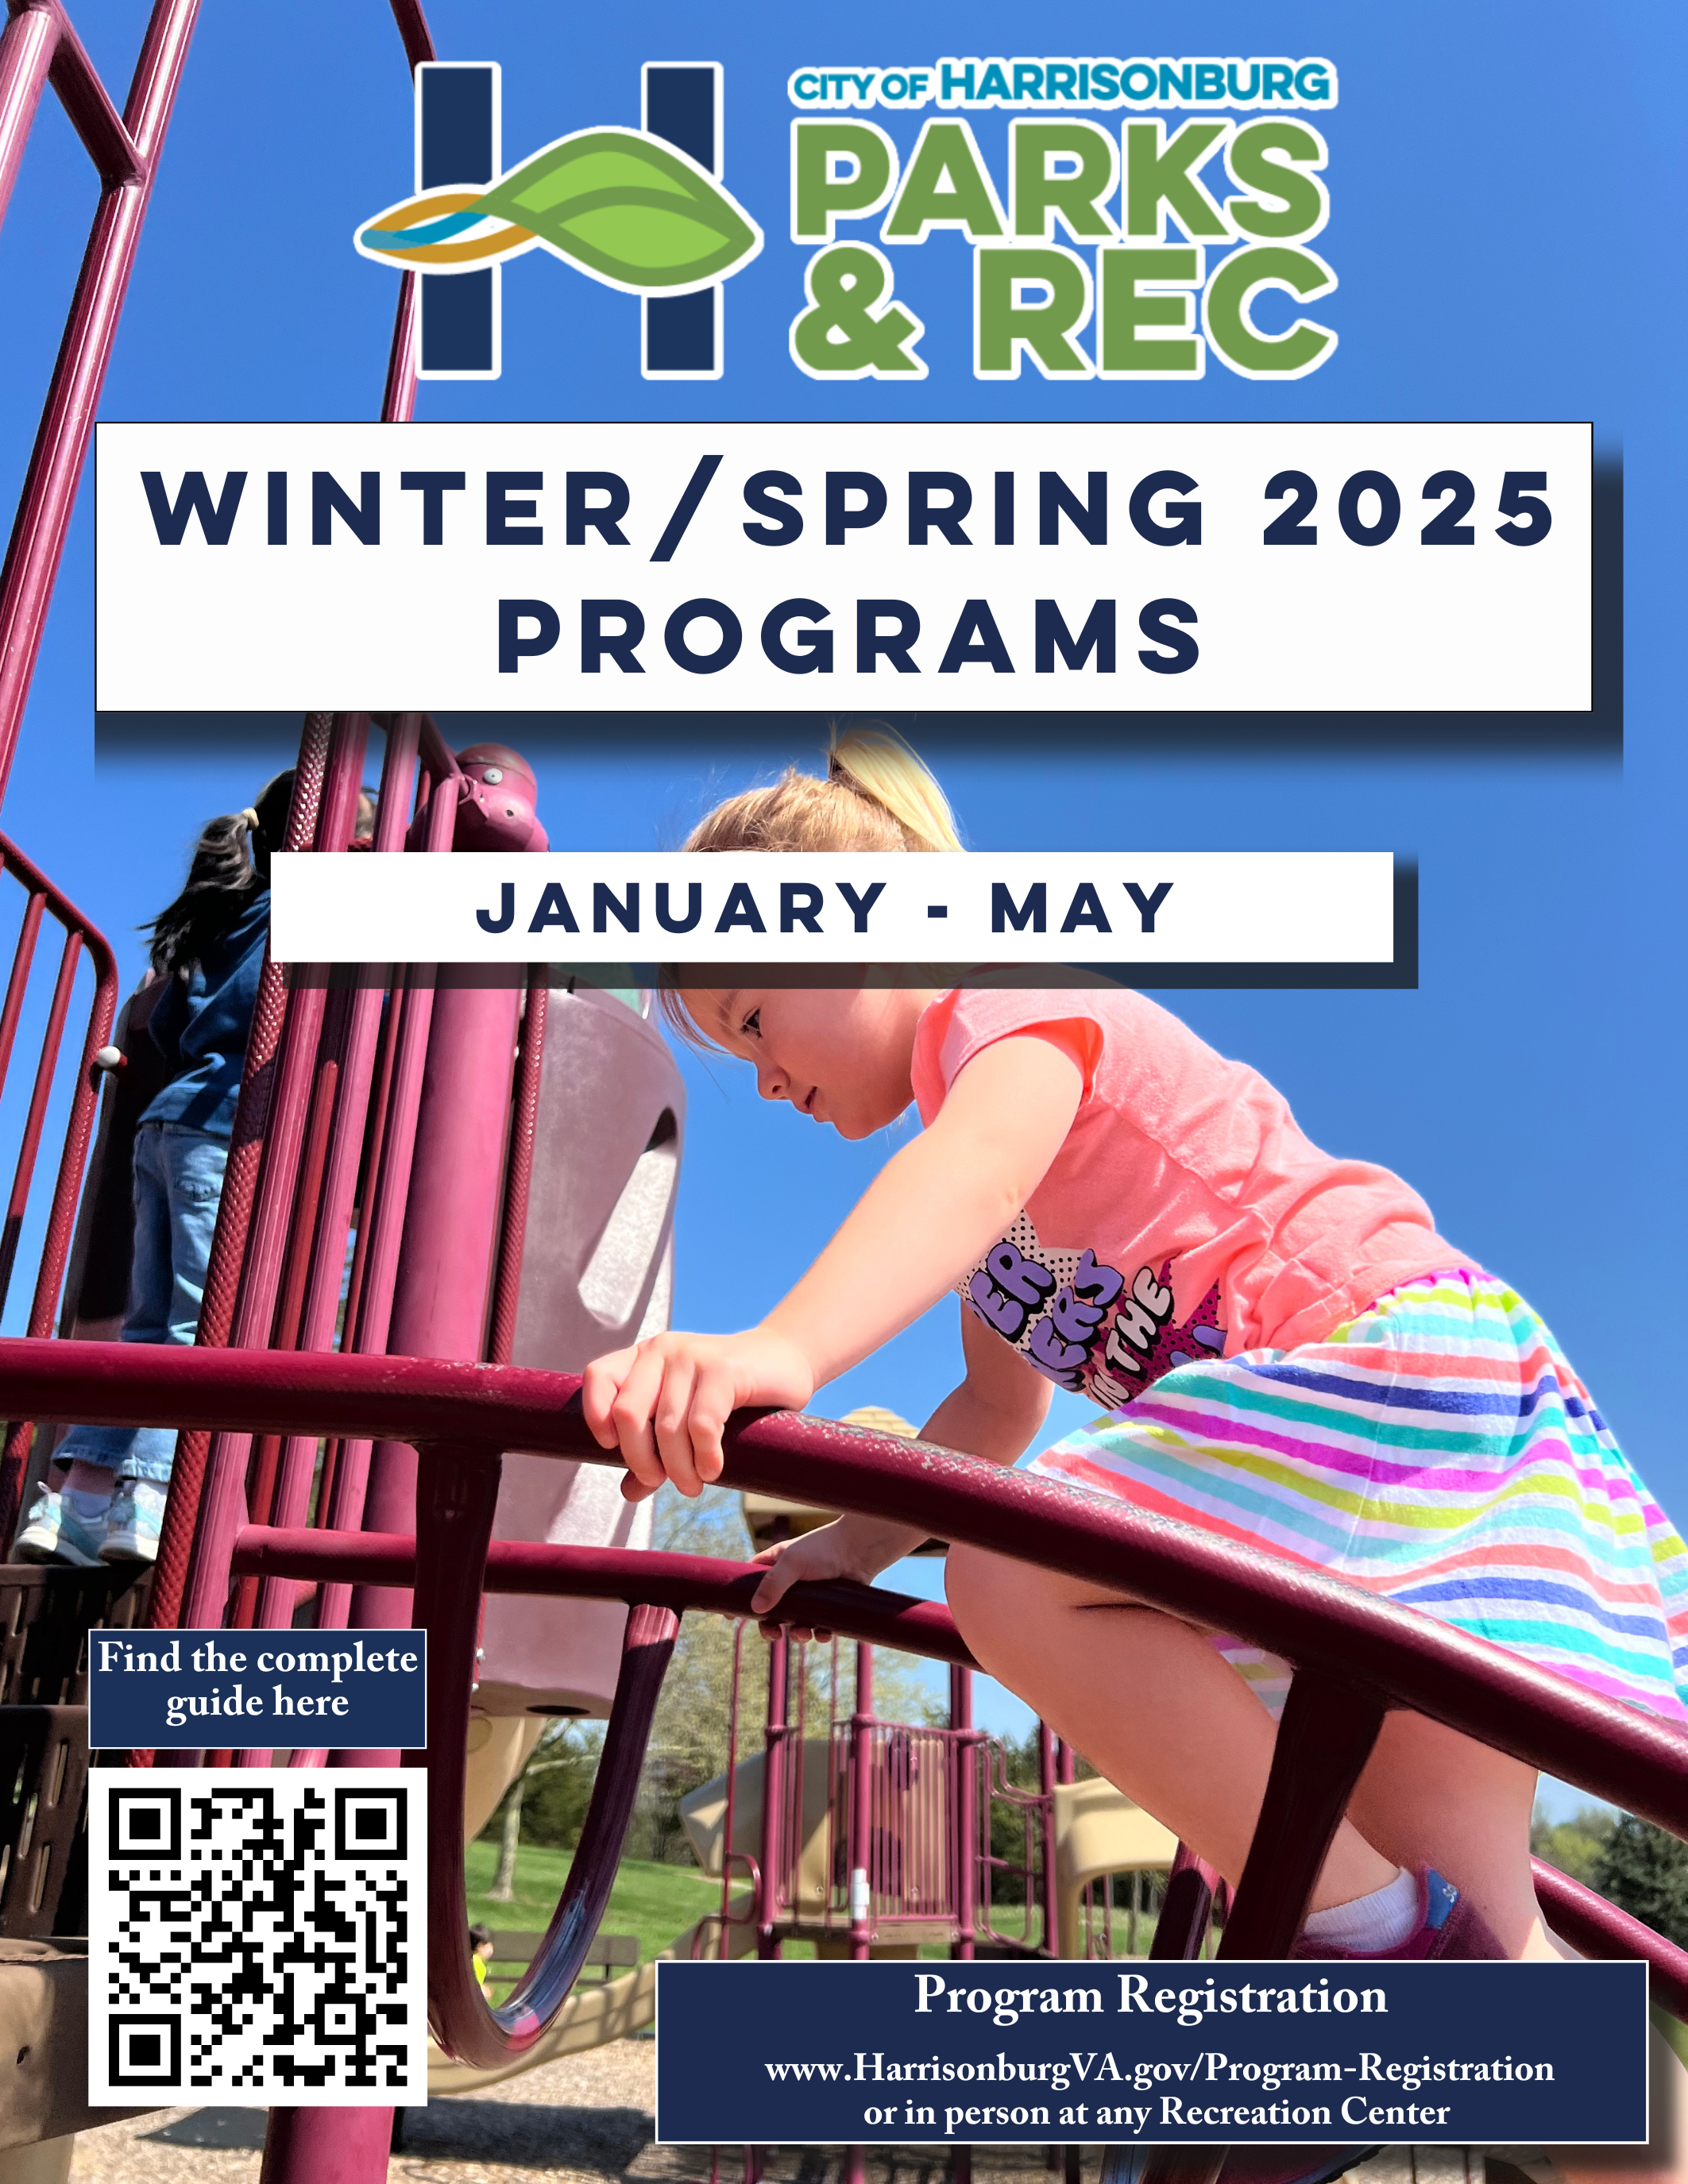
point(630, 211)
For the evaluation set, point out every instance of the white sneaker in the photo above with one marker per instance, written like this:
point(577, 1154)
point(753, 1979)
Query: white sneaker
point(134, 1521)
point(54, 1534)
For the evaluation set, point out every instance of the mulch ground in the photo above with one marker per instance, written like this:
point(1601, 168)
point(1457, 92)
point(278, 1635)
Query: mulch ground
point(588, 2119)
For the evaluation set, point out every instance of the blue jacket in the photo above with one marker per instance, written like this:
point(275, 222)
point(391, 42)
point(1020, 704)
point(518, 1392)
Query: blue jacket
point(200, 1026)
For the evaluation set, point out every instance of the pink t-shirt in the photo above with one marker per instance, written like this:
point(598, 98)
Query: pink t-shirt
point(1185, 1216)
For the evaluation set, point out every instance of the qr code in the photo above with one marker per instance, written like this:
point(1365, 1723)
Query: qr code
point(257, 1936)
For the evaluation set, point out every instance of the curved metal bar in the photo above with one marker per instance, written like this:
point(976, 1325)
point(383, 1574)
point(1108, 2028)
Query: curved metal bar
point(26, 50)
point(458, 1491)
point(634, 1575)
point(1636, 1760)
point(1186, 1909)
point(413, 29)
point(1352, 1637)
point(1324, 1741)
point(1334, 1722)
point(1599, 1928)
point(463, 2023)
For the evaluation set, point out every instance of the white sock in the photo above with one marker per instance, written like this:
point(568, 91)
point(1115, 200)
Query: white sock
point(82, 1504)
point(1369, 1924)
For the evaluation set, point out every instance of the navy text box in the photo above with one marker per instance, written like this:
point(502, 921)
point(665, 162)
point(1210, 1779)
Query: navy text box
point(192, 1690)
point(1152, 2053)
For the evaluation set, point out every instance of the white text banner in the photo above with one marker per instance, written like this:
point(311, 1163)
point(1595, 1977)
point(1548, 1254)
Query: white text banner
point(791, 910)
point(953, 568)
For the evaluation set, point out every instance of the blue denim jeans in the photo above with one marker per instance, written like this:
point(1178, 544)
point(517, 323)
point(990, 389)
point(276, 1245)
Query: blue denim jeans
point(178, 1186)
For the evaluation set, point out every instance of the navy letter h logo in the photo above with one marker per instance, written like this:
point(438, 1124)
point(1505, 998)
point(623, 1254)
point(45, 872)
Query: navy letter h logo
point(457, 146)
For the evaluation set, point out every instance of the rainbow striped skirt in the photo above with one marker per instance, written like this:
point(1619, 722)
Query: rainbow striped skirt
point(1438, 1449)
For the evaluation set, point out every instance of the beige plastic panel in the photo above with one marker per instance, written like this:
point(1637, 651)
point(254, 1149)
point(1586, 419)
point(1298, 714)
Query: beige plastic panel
point(702, 1811)
point(44, 2044)
point(499, 1746)
point(1099, 1831)
point(597, 1273)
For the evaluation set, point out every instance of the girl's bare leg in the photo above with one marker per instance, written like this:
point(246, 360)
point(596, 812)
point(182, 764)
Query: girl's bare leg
point(1152, 1705)
point(1431, 1796)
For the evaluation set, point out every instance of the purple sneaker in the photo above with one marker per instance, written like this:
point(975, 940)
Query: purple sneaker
point(1447, 1926)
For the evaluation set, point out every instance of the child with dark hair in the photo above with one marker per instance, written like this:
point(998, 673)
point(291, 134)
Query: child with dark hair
point(208, 946)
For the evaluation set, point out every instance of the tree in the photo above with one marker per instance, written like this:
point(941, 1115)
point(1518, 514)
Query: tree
point(1023, 1767)
point(1645, 1872)
point(689, 1737)
point(547, 1802)
point(558, 1782)
point(1575, 1846)
point(503, 1890)
point(690, 1734)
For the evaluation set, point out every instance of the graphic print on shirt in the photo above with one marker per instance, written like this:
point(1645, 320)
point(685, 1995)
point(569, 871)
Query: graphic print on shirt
point(1087, 1326)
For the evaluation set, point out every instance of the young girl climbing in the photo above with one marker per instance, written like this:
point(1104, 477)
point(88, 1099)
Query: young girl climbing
point(1287, 1352)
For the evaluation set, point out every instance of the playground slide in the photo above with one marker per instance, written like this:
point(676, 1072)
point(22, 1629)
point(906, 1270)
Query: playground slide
point(1100, 1832)
point(597, 1271)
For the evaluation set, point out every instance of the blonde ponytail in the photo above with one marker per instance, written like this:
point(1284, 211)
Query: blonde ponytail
point(876, 794)
point(877, 763)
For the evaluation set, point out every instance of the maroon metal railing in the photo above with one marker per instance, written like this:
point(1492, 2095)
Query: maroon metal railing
point(42, 899)
point(38, 46)
point(1033, 1814)
point(327, 1140)
point(212, 1486)
point(1355, 1655)
point(1326, 1627)
point(890, 1855)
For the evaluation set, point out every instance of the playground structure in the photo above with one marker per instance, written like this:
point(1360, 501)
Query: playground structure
point(430, 1460)
point(869, 1838)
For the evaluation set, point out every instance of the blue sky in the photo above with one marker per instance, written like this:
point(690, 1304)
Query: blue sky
point(1529, 1088)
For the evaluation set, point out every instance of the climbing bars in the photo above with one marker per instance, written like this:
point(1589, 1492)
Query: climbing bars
point(1355, 1656)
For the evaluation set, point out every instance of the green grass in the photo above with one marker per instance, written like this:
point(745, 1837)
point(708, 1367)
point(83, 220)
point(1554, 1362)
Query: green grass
point(657, 1902)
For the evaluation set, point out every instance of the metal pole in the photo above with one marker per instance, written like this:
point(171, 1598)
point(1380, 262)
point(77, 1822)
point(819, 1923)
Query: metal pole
point(451, 1228)
point(61, 444)
point(328, 2146)
point(965, 1753)
point(730, 1815)
point(773, 1778)
point(861, 1861)
point(26, 48)
point(194, 1481)
point(1046, 1776)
